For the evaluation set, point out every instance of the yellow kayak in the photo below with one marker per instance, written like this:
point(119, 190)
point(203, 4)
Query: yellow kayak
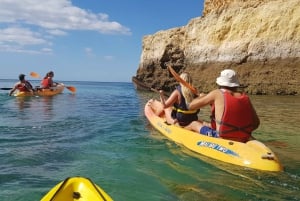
point(43, 92)
point(76, 188)
point(253, 154)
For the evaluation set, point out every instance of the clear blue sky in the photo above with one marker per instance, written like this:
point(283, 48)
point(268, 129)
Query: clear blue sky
point(84, 40)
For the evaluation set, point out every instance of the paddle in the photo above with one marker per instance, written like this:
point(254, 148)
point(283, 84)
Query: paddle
point(142, 85)
point(179, 79)
point(36, 75)
point(71, 88)
point(5, 88)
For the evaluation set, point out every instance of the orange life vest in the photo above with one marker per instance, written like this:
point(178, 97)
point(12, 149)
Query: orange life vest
point(237, 119)
point(46, 83)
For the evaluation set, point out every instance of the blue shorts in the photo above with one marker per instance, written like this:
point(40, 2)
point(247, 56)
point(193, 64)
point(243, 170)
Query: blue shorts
point(205, 130)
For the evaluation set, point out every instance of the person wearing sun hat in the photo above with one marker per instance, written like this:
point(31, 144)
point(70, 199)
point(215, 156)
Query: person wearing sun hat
point(228, 78)
point(22, 85)
point(233, 116)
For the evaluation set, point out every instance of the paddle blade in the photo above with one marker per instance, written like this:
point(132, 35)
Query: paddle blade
point(35, 75)
point(71, 88)
point(5, 88)
point(179, 79)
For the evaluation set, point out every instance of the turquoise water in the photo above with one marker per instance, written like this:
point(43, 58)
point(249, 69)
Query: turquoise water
point(101, 133)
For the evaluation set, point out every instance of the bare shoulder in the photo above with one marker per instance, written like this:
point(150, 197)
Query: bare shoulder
point(214, 93)
point(202, 101)
point(17, 84)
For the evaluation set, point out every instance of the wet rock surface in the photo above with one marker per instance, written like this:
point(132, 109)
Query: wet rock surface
point(258, 39)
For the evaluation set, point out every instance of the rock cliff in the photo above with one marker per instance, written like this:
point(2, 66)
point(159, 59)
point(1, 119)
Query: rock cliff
point(260, 39)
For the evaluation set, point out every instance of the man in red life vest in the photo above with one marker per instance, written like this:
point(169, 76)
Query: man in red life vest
point(22, 85)
point(232, 114)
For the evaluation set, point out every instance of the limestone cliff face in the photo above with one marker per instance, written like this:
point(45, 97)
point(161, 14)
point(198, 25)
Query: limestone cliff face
point(258, 39)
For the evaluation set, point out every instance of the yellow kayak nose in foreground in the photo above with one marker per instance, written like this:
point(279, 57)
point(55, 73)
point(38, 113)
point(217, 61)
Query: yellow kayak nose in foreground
point(76, 188)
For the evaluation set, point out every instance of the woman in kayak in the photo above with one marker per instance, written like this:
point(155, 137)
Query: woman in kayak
point(47, 81)
point(179, 99)
point(23, 85)
point(232, 114)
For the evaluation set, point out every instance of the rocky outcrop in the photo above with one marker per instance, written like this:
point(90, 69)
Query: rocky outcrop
point(258, 39)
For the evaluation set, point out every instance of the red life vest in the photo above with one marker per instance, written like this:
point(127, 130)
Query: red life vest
point(237, 119)
point(22, 87)
point(46, 83)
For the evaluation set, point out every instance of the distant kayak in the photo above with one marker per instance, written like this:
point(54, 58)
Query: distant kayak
point(43, 92)
point(76, 188)
point(252, 154)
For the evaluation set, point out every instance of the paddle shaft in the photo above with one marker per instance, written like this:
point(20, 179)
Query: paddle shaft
point(179, 79)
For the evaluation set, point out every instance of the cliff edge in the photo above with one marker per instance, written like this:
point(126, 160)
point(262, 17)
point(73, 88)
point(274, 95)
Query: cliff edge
point(260, 39)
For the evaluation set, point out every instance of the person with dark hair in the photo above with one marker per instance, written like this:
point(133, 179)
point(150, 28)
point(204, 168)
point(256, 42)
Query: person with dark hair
point(233, 116)
point(47, 81)
point(22, 85)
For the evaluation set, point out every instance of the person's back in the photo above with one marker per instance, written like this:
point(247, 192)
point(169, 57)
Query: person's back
point(22, 86)
point(180, 111)
point(233, 116)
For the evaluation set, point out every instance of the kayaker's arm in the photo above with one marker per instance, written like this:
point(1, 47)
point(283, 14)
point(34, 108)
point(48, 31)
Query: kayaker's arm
point(55, 84)
point(202, 100)
point(171, 100)
point(12, 91)
point(162, 97)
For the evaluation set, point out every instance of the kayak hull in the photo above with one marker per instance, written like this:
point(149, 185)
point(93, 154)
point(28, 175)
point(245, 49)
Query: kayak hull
point(253, 154)
point(43, 92)
point(76, 188)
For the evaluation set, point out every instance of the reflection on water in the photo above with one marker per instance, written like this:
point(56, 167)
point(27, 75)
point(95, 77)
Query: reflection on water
point(40, 106)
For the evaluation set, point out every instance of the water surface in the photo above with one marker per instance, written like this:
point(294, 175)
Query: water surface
point(101, 133)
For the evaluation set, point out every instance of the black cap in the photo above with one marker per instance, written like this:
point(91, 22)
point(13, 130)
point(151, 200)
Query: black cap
point(21, 77)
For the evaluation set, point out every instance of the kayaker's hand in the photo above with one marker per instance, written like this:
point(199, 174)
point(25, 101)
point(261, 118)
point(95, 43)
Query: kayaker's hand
point(150, 102)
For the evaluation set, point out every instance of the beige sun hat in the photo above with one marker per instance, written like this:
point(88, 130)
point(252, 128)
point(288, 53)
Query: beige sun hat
point(228, 78)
